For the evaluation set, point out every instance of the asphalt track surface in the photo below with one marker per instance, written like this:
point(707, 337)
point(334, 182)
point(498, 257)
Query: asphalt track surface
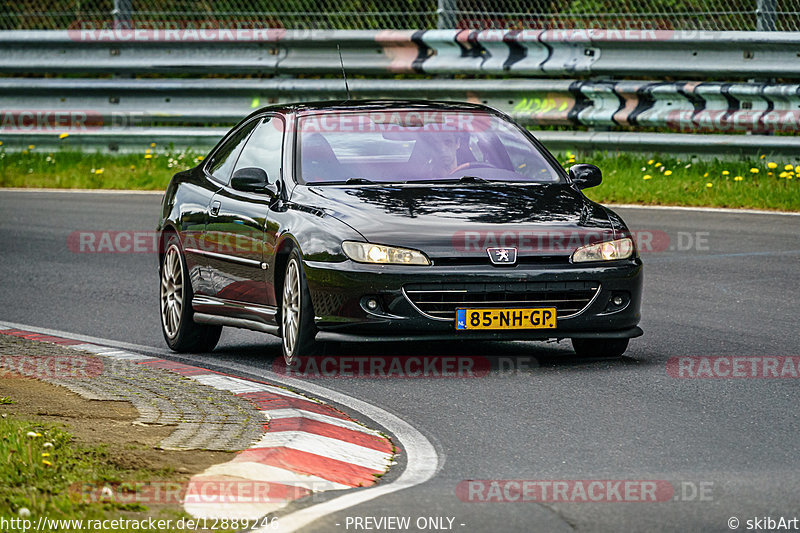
point(540, 414)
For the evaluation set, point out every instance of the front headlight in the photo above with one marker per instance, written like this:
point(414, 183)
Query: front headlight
point(365, 252)
point(604, 251)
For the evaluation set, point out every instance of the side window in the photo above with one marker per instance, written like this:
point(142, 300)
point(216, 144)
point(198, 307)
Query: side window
point(264, 149)
point(221, 164)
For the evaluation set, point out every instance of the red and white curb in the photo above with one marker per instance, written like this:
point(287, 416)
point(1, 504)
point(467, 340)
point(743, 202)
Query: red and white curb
point(308, 446)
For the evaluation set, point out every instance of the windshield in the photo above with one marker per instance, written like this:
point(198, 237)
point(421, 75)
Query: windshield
point(407, 146)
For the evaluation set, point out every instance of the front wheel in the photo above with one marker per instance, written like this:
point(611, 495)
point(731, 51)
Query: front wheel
point(180, 330)
point(297, 315)
point(599, 347)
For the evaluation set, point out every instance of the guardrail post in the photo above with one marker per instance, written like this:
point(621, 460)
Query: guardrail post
point(765, 15)
point(446, 11)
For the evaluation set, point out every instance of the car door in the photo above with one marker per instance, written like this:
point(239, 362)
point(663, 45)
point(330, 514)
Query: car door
point(215, 171)
point(238, 219)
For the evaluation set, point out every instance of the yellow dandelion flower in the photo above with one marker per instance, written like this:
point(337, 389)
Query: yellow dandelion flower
point(789, 177)
point(754, 170)
point(783, 174)
point(63, 136)
point(148, 156)
point(651, 162)
point(152, 145)
point(46, 462)
point(705, 175)
point(762, 156)
point(738, 178)
point(658, 164)
point(772, 165)
point(725, 172)
point(709, 185)
point(788, 167)
point(133, 167)
point(647, 177)
point(1, 143)
point(31, 146)
point(148, 151)
point(45, 454)
point(667, 172)
point(199, 158)
point(796, 169)
point(99, 171)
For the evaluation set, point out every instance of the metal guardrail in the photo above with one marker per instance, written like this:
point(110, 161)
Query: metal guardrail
point(123, 113)
point(688, 54)
point(202, 139)
point(676, 106)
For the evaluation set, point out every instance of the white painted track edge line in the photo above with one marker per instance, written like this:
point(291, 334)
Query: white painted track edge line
point(422, 461)
point(613, 206)
point(81, 191)
point(726, 210)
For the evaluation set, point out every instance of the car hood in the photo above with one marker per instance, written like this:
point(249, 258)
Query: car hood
point(441, 219)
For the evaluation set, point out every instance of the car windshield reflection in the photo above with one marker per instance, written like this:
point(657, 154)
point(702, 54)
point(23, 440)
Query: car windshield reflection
point(407, 147)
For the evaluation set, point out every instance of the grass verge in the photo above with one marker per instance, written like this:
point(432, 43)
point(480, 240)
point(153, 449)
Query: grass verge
point(44, 474)
point(763, 183)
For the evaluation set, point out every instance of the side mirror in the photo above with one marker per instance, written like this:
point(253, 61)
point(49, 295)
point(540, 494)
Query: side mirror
point(585, 176)
point(252, 179)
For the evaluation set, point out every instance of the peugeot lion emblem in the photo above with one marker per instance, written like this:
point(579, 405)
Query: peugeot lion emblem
point(502, 256)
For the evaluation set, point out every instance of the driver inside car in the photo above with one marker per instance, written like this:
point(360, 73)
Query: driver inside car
point(447, 153)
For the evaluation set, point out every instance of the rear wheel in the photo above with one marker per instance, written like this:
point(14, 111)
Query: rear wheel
point(180, 330)
point(599, 347)
point(297, 315)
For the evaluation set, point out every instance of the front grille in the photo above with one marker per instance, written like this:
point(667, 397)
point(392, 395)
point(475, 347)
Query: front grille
point(440, 300)
point(484, 260)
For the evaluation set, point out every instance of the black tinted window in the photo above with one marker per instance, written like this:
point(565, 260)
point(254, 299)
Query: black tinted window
point(221, 165)
point(264, 149)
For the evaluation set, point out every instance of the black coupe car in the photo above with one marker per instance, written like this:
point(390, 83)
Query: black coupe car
point(392, 220)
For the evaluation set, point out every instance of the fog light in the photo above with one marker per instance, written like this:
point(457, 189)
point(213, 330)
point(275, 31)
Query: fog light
point(372, 304)
point(618, 300)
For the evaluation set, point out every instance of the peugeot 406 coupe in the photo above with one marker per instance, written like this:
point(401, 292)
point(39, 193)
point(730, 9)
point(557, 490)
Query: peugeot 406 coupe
point(392, 220)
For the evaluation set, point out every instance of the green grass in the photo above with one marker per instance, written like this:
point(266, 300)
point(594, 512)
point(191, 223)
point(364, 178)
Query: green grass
point(70, 169)
point(675, 181)
point(659, 180)
point(45, 472)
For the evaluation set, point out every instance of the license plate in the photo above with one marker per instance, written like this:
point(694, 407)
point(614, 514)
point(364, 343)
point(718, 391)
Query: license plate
point(533, 318)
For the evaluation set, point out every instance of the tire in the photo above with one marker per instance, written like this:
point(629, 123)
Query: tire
point(599, 347)
point(297, 315)
point(180, 330)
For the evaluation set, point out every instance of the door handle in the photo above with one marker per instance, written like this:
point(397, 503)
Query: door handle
point(215, 208)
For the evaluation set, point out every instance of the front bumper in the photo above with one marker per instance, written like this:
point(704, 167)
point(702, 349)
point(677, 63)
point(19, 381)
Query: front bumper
point(339, 291)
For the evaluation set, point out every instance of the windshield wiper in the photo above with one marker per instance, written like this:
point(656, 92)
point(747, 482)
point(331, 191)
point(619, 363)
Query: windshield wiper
point(462, 179)
point(359, 181)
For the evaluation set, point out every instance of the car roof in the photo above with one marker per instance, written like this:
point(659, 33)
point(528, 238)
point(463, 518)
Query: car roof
point(373, 105)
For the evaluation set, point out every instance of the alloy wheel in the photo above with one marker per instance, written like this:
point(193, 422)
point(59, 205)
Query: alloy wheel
point(172, 291)
point(291, 307)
